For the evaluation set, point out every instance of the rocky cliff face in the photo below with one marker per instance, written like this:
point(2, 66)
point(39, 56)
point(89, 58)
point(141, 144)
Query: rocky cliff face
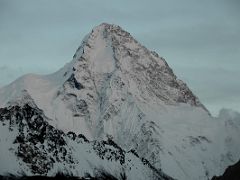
point(41, 149)
point(116, 89)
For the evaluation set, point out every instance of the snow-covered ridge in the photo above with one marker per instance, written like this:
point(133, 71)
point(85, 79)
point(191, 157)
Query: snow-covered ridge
point(41, 149)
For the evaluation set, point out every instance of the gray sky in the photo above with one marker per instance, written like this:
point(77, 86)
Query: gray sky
point(199, 39)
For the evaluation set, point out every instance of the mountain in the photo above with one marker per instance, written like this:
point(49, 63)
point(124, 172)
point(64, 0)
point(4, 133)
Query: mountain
point(110, 69)
point(117, 90)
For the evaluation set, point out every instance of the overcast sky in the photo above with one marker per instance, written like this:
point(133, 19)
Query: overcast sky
point(199, 39)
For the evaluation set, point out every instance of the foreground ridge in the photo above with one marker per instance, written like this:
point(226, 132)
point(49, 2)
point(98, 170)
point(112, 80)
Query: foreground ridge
point(40, 147)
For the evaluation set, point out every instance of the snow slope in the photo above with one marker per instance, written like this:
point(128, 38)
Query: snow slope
point(30, 145)
point(115, 88)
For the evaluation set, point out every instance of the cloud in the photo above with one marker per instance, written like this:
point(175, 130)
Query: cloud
point(3, 68)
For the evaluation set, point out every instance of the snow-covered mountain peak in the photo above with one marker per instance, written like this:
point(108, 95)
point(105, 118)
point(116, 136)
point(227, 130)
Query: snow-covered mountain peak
point(109, 51)
point(109, 71)
point(115, 88)
point(110, 30)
